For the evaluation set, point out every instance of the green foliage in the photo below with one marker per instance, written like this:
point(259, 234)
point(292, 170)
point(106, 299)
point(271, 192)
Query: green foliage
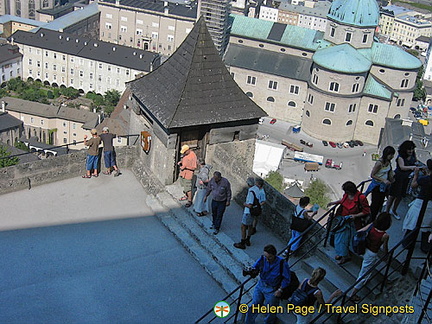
point(70, 93)
point(5, 162)
point(32, 94)
point(419, 91)
point(21, 146)
point(413, 52)
point(275, 179)
point(108, 110)
point(317, 192)
point(112, 97)
point(50, 94)
point(3, 92)
point(16, 84)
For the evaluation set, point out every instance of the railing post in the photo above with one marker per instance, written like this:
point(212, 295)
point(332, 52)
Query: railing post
point(390, 260)
point(414, 237)
point(239, 302)
point(329, 225)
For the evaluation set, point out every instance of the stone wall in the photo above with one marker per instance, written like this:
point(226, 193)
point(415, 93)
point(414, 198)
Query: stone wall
point(26, 175)
point(234, 160)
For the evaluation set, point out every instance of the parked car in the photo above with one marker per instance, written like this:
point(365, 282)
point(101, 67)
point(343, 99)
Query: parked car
point(424, 122)
point(339, 145)
point(413, 110)
point(325, 143)
point(351, 144)
point(359, 142)
point(306, 143)
point(345, 145)
point(332, 144)
point(261, 120)
point(273, 121)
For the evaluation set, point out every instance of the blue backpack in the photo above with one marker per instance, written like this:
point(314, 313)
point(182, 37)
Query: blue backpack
point(300, 297)
point(359, 241)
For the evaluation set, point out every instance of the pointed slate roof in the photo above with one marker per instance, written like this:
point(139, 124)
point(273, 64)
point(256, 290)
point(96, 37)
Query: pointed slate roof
point(193, 87)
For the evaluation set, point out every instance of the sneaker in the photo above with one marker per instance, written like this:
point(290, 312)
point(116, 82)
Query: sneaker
point(216, 232)
point(117, 173)
point(240, 245)
point(395, 215)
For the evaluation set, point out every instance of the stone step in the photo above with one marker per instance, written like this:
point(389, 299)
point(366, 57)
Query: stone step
point(212, 266)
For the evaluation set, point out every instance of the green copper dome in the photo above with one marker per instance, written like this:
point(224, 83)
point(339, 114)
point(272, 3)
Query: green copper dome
point(342, 58)
point(363, 13)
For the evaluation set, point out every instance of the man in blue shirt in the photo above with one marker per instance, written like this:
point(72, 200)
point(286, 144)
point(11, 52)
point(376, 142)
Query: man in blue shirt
point(273, 278)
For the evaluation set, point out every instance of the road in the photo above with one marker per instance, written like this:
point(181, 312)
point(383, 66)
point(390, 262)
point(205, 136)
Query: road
point(356, 167)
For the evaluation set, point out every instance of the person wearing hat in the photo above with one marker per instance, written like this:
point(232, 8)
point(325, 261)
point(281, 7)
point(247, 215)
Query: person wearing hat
point(109, 153)
point(188, 164)
point(92, 154)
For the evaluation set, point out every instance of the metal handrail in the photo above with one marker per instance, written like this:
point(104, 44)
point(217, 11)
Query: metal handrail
point(60, 146)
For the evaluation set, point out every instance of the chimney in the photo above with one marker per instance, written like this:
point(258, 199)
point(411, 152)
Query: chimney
point(3, 106)
point(166, 9)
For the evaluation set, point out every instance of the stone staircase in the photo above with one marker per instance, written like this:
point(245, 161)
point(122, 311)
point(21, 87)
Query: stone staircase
point(224, 263)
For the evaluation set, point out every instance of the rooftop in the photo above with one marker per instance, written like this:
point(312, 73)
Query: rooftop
point(7, 18)
point(342, 58)
point(321, 9)
point(396, 10)
point(8, 122)
point(118, 55)
point(73, 17)
point(376, 89)
point(414, 21)
point(89, 119)
point(8, 52)
point(288, 35)
point(363, 13)
point(193, 87)
point(270, 62)
point(176, 9)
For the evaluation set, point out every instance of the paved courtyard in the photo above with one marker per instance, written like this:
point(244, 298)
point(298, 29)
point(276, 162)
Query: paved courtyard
point(91, 251)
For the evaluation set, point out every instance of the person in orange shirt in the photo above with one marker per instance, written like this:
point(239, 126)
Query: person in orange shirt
point(188, 164)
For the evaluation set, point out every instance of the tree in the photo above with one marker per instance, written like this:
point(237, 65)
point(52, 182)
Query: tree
point(16, 84)
point(4, 161)
point(21, 146)
point(70, 93)
point(275, 179)
point(112, 97)
point(3, 93)
point(317, 192)
point(419, 91)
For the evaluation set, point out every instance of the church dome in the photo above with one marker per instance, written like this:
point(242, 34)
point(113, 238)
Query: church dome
point(363, 13)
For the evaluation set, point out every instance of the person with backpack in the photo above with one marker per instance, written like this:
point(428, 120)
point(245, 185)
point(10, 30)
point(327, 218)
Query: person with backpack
point(252, 208)
point(350, 215)
point(308, 293)
point(260, 194)
point(376, 238)
point(274, 278)
point(300, 211)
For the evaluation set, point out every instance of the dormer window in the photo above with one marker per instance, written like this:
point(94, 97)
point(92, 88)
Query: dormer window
point(348, 37)
point(332, 31)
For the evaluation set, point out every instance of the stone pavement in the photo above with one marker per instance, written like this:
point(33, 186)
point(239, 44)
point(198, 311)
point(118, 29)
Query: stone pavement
point(91, 251)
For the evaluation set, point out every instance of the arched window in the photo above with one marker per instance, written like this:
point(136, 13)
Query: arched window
point(31, 8)
point(45, 3)
point(369, 123)
point(307, 113)
point(292, 104)
point(271, 99)
point(249, 94)
point(18, 8)
point(349, 122)
point(327, 121)
point(397, 116)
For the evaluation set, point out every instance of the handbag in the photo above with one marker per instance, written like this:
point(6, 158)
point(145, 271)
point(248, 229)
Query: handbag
point(300, 224)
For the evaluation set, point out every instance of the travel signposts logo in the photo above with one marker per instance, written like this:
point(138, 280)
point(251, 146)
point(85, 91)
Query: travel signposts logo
point(221, 309)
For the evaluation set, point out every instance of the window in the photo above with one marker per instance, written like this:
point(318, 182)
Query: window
point(365, 38)
point(63, 69)
point(294, 89)
point(348, 37)
point(349, 122)
point(332, 31)
point(72, 71)
point(30, 61)
point(404, 83)
point(171, 28)
point(139, 22)
point(155, 25)
point(123, 29)
point(292, 104)
point(72, 59)
point(123, 18)
point(397, 116)
point(251, 80)
point(400, 102)
point(91, 76)
point(109, 67)
point(31, 120)
point(64, 140)
point(74, 126)
point(139, 31)
point(64, 57)
point(64, 124)
point(108, 26)
point(373, 108)
point(352, 108)
point(100, 65)
point(310, 99)
point(369, 123)
point(154, 35)
point(54, 67)
point(329, 106)
point(170, 38)
point(38, 64)
point(355, 87)
point(249, 94)
point(42, 121)
point(71, 81)
point(315, 79)
point(272, 85)
point(334, 86)
point(109, 16)
point(326, 121)
point(270, 99)
point(307, 113)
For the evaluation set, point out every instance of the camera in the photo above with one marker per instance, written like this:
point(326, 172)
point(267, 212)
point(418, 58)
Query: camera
point(250, 271)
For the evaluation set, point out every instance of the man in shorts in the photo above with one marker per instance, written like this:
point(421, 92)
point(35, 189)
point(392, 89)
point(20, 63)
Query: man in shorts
point(188, 164)
point(109, 153)
point(92, 154)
